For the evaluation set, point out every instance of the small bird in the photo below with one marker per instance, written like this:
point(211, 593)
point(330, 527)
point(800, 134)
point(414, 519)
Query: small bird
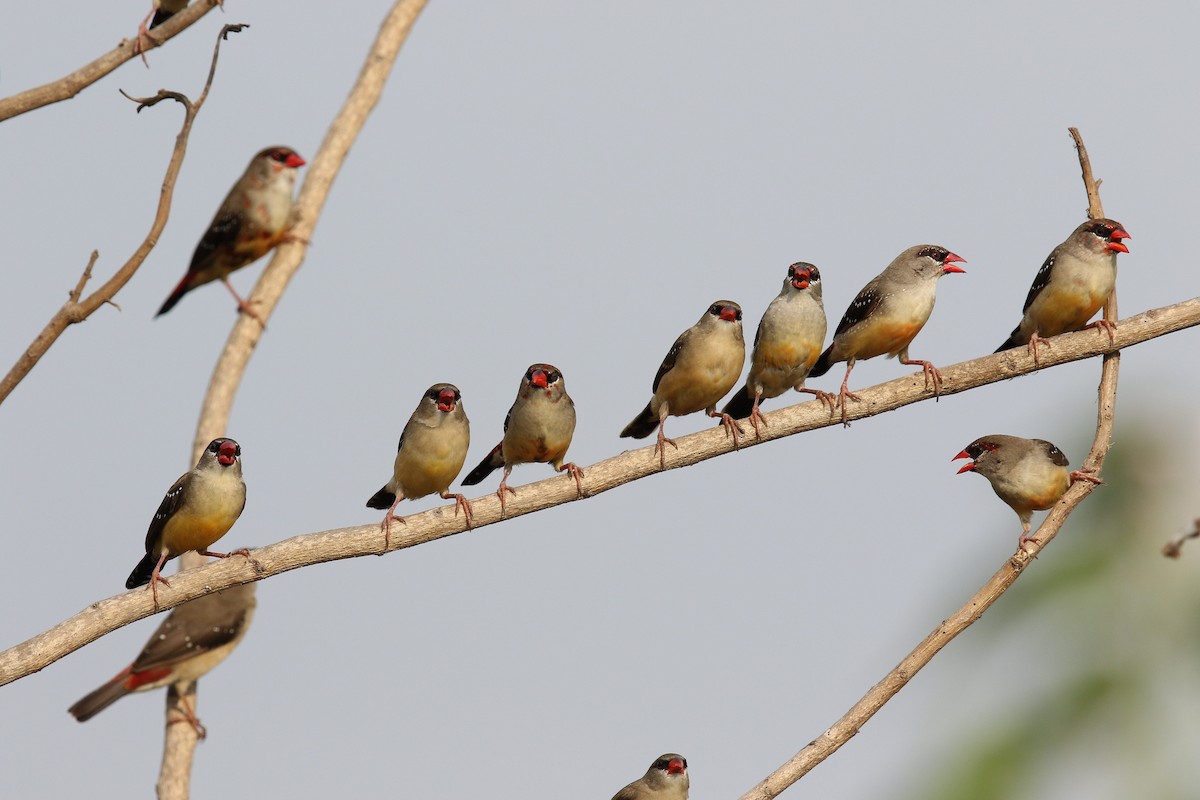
point(1028, 474)
point(786, 346)
point(254, 217)
point(190, 642)
point(161, 10)
point(537, 430)
point(197, 510)
point(1073, 284)
point(700, 368)
point(887, 315)
point(667, 779)
point(432, 449)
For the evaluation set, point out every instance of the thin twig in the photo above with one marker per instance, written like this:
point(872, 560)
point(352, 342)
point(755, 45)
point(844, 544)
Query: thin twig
point(107, 615)
point(1174, 548)
point(76, 310)
point(70, 85)
point(179, 741)
point(852, 721)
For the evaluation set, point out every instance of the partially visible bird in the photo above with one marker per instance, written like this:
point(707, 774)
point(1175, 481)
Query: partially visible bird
point(667, 779)
point(887, 315)
point(193, 639)
point(1028, 474)
point(254, 217)
point(161, 10)
point(1073, 284)
point(786, 346)
point(197, 510)
point(537, 430)
point(700, 368)
point(432, 449)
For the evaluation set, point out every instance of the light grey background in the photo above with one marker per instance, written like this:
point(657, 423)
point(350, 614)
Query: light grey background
point(574, 183)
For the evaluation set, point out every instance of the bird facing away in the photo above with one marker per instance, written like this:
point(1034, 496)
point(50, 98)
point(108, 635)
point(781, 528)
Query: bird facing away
point(1073, 284)
point(254, 217)
point(432, 449)
point(190, 642)
point(700, 368)
point(1028, 474)
point(537, 430)
point(887, 315)
point(786, 346)
point(667, 779)
point(197, 510)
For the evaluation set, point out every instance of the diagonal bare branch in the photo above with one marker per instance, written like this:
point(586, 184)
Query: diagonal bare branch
point(77, 310)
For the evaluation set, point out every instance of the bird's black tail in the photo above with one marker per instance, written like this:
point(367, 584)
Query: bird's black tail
point(491, 462)
point(823, 363)
point(1014, 340)
point(382, 499)
point(93, 703)
point(160, 16)
point(642, 426)
point(142, 572)
point(176, 295)
point(741, 404)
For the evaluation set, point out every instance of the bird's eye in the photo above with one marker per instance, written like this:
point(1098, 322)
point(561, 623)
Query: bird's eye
point(814, 275)
point(938, 254)
point(237, 451)
point(715, 310)
point(214, 446)
point(552, 376)
point(280, 156)
point(433, 394)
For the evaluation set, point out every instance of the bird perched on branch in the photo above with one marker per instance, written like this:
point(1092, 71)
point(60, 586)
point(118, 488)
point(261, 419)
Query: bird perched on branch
point(887, 315)
point(197, 510)
point(1073, 284)
point(1028, 474)
point(161, 10)
point(190, 642)
point(786, 346)
point(538, 429)
point(254, 217)
point(432, 449)
point(667, 779)
point(700, 368)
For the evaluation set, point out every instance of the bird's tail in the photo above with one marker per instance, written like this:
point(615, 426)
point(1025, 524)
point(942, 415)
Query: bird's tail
point(642, 426)
point(142, 572)
point(94, 702)
point(1015, 339)
point(741, 404)
point(382, 499)
point(183, 288)
point(160, 16)
point(491, 462)
point(823, 363)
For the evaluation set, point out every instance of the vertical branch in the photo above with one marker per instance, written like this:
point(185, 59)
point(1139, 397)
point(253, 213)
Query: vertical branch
point(180, 740)
point(861, 712)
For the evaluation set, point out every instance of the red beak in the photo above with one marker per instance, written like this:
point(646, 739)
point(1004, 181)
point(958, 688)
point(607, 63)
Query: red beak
point(800, 279)
point(227, 454)
point(728, 314)
point(970, 465)
point(1117, 245)
point(951, 259)
point(674, 766)
point(446, 401)
point(295, 161)
point(538, 378)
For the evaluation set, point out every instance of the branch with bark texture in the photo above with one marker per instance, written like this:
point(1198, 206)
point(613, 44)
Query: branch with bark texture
point(76, 309)
point(70, 85)
point(107, 615)
point(179, 741)
point(852, 721)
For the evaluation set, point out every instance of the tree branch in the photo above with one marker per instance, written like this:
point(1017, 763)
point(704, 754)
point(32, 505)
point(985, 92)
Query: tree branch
point(179, 741)
point(852, 721)
point(107, 615)
point(76, 310)
point(67, 87)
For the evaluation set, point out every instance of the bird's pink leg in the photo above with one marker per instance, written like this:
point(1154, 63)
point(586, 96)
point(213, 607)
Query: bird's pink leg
point(825, 397)
point(503, 490)
point(188, 715)
point(143, 36)
point(460, 501)
point(575, 472)
point(1111, 327)
point(244, 306)
point(1025, 537)
point(156, 578)
point(756, 416)
point(845, 394)
point(931, 373)
point(1085, 475)
point(386, 525)
point(1034, 342)
point(731, 426)
point(663, 413)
